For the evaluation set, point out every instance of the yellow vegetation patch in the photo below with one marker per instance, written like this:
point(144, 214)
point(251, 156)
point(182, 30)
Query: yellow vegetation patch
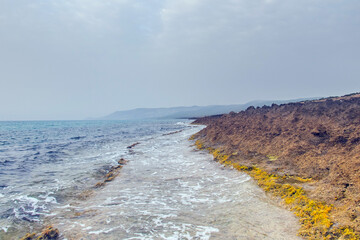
point(192, 137)
point(272, 157)
point(49, 233)
point(199, 145)
point(299, 179)
point(313, 215)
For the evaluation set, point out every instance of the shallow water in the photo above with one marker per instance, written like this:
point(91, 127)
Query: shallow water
point(169, 190)
point(45, 164)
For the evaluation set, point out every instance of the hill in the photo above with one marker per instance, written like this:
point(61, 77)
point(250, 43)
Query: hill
point(186, 112)
point(318, 140)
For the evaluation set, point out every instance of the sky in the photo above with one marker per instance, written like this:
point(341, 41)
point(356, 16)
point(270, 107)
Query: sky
point(74, 59)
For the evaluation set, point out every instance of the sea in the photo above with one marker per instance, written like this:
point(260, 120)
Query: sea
point(167, 190)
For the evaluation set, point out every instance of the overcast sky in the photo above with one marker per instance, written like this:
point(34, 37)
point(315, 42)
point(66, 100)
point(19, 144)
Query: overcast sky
point(73, 59)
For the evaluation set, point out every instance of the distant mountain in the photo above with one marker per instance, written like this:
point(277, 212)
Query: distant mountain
point(189, 112)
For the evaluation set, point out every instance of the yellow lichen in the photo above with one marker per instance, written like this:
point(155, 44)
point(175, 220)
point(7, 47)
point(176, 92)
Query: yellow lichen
point(29, 236)
point(49, 233)
point(272, 157)
point(300, 179)
point(192, 137)
point(198, 144)
point(313, 215)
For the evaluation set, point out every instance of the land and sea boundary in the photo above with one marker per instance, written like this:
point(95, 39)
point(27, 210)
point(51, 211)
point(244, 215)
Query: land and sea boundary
point(306, 153)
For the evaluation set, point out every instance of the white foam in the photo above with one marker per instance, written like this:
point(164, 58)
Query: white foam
point(204, 232)
point(103, 231)
point(50, 200)
point(170, 191)
point(64, 206)
point(81, 224)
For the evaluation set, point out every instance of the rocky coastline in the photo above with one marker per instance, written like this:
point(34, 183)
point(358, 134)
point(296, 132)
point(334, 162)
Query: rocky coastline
point(307, 153)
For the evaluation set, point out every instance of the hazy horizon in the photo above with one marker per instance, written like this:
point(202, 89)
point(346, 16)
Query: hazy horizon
point(103, 117)
point(168, 107)
point(80, 59)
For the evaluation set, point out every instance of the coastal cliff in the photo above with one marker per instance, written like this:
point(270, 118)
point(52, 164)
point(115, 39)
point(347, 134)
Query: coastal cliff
point(315, 145)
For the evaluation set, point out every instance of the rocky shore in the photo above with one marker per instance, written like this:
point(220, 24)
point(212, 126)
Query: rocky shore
point(308, 153)
point(52, 233)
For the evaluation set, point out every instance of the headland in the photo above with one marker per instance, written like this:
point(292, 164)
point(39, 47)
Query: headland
point(308, 153)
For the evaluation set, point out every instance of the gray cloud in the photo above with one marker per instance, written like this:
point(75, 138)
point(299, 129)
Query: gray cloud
point(80, 58)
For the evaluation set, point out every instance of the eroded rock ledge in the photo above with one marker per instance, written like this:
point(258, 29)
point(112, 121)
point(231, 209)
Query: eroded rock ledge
point(318, 141)
point(112, 173)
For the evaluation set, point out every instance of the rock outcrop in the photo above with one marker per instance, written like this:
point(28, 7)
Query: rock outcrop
point(317, 139)
point(112, 173)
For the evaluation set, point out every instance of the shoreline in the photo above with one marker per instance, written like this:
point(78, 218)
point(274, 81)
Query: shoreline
point(48, 231)
point(232, 196)
point(313, 215)
point(303, 153)
point(292, 189)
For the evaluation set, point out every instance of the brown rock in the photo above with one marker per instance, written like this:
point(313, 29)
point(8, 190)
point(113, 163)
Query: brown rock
point(29, 236)
point(50, 233)
point(314, 139)
point(133, 145)
point(122, 161)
